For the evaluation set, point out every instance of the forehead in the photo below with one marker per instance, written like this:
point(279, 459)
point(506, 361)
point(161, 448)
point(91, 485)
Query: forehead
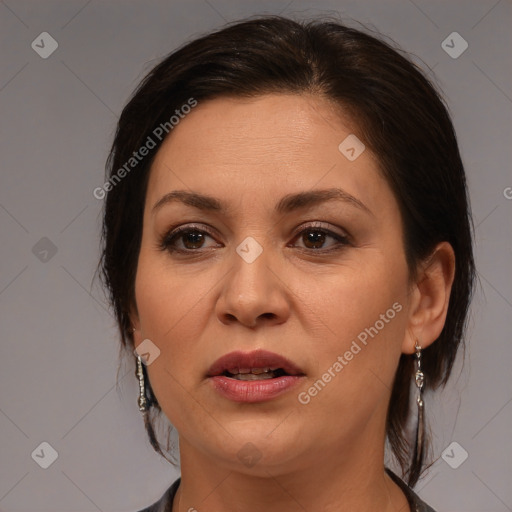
point(259, 146)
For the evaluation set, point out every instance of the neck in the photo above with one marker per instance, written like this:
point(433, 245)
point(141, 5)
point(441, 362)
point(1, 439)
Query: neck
point(357, 482)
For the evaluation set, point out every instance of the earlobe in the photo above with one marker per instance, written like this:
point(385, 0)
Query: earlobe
point(430, 298)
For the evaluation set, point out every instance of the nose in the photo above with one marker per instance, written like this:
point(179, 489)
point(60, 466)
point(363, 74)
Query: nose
point(253, 292)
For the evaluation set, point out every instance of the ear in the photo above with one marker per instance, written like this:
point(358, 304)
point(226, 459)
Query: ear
point(429, 298)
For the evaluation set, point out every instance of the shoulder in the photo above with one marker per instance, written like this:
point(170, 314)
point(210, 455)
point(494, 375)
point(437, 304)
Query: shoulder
point(415, 502)
point(164, 504)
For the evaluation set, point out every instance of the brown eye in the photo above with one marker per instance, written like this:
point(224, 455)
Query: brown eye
point(194, 238)
point(314, 238)
point(185, 239)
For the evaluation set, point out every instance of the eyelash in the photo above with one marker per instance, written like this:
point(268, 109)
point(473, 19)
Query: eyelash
point(165, 243)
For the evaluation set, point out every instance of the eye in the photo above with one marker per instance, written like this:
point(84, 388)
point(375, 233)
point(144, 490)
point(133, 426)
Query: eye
point(189, 237)
point(314, 238)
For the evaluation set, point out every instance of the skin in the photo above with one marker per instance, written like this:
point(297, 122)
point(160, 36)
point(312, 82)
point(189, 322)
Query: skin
point(328, 454)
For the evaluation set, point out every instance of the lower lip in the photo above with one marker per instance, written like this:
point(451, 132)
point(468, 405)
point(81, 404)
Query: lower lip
point(250, 391)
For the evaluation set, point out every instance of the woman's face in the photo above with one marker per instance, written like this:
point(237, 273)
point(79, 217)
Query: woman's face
point(334, 302)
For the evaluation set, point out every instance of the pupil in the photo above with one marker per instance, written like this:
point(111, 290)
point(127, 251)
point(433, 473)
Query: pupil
point(316, 238)
point(195, 238)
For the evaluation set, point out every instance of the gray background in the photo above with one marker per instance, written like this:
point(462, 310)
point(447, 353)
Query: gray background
point(58, 341)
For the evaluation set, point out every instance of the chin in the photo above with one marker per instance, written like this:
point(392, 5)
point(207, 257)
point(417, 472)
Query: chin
point(261, 453)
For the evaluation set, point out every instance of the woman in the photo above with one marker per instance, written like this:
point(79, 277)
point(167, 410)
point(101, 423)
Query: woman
point(288, 251)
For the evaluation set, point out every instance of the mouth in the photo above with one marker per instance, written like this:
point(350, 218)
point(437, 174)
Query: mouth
point(256, 365)
point(252, 377)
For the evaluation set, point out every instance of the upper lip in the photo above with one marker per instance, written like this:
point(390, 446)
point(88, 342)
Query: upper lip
point(255, 359)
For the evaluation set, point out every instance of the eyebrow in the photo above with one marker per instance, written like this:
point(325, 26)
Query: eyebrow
point(286, 204)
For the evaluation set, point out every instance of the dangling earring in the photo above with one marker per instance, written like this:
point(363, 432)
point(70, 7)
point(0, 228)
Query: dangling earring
point(143, 403)
point(419, 378)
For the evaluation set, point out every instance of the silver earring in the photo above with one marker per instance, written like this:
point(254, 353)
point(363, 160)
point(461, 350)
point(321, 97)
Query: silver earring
point(419, 378)
point(143, 403)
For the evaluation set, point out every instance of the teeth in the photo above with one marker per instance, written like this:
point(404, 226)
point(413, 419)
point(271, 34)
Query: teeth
point(267, 372)
point(255, 371)
point(239, 370)
point(252, 376)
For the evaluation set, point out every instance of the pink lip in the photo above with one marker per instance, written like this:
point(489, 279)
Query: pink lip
point(256, 390)
point(253, 391)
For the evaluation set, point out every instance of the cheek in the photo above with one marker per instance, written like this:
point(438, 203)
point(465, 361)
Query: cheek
point(355, 298)
point(364, 312)
point(168, 298)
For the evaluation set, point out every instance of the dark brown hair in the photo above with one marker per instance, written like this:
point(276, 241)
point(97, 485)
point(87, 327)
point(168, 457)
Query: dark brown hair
point(399, 115)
